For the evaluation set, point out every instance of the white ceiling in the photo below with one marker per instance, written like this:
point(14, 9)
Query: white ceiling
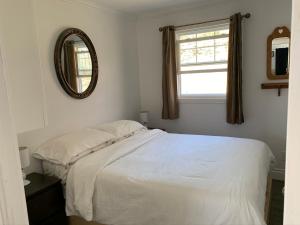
point(139, 6)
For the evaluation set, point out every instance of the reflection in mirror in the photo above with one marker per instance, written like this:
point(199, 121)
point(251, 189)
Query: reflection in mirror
point(280, 56)
point(76, 63)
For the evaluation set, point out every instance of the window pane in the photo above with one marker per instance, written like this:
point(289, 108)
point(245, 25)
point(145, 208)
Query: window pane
point(187, 36)
point(82, 49)
point(188, 45)
point(221, 53)
point(204, 84)
point(205, 55)
point(83, 83)
point(84, 63)
point(220, 32)
point(205, 43)
point(206, 34)
point(204, 67)
point(85, 72)
point(222, 41)
point(188, 56)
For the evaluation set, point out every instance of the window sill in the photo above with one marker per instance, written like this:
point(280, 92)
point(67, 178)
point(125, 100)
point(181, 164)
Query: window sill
point(203, 100)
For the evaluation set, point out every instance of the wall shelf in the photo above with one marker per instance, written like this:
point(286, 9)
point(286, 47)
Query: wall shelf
point(277, 86)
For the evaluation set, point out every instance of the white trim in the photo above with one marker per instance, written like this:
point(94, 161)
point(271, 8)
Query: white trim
point(202, 99)
point(292, 181)
point(3, 202)
point(206, 98)
point(214, 37)
point(12, 197)
point(206, 63)
point(202, 27)
point(202, 71)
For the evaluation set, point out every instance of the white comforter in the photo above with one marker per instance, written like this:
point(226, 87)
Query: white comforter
point(156, 178)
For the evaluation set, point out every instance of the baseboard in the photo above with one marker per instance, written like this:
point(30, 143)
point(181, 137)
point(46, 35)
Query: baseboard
point(278, 174)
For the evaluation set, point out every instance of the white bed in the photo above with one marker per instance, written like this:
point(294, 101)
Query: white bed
point(156, 178)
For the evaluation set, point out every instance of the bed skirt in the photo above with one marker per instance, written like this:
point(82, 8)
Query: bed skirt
point(75, 220)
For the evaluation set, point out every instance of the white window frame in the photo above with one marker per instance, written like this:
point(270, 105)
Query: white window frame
point(77, 53)
point(199, 98)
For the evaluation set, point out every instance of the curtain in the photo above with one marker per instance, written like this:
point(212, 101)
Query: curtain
point(234, 80)
point(170, 109)
point(70, 67)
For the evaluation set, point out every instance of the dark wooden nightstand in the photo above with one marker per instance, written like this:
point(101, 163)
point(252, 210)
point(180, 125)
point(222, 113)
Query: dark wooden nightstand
point(45, 200)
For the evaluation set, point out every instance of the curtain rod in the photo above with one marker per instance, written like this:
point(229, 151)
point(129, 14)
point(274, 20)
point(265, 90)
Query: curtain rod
point(247, 15)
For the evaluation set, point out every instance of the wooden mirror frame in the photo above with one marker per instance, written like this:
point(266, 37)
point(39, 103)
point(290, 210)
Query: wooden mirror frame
point(58, 63)
point(276, 34)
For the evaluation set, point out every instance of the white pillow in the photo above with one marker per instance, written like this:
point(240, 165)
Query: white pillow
point(67, 149)
point(122, 128)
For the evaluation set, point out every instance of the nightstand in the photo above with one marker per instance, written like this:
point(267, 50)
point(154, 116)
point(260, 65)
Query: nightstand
point(45, 200)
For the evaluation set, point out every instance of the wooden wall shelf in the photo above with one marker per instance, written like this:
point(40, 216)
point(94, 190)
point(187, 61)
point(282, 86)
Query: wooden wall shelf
point(277, 86)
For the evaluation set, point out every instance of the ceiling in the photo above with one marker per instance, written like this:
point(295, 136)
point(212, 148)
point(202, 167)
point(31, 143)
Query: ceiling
point(140, 6)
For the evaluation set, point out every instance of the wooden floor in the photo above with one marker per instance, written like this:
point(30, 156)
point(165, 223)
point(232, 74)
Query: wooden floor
point(276, 212)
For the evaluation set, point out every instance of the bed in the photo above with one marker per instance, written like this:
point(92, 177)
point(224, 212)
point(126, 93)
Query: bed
point(123, 174)
point(157, 178)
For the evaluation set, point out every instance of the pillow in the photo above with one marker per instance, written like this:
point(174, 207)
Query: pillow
point(122, 128)
point(67, 149)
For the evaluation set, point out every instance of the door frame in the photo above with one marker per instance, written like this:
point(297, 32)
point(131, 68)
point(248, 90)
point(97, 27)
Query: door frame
point(13, 208)
point(292, 177)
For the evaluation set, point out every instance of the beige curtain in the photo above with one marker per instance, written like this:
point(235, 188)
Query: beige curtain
point(234, 81)
point(169, 80)
point(70, 64)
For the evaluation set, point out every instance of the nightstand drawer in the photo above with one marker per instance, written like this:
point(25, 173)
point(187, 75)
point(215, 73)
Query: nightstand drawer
point(45, 204)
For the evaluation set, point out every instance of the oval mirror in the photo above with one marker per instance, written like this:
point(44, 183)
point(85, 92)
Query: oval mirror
point(76, 63)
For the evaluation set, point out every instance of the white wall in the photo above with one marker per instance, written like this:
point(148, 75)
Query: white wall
point(117, 93)
point(22, 64)
point(265, 113)
point(292, 182)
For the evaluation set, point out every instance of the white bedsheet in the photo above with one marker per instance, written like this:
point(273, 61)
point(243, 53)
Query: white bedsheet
point(55, 170)
point(156, 178)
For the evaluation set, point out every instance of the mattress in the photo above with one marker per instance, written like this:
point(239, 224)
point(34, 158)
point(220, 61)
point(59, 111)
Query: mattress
point(169, 179)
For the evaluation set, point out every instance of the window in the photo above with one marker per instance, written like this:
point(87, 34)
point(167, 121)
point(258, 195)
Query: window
point(202, 61)
point(84, 66)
